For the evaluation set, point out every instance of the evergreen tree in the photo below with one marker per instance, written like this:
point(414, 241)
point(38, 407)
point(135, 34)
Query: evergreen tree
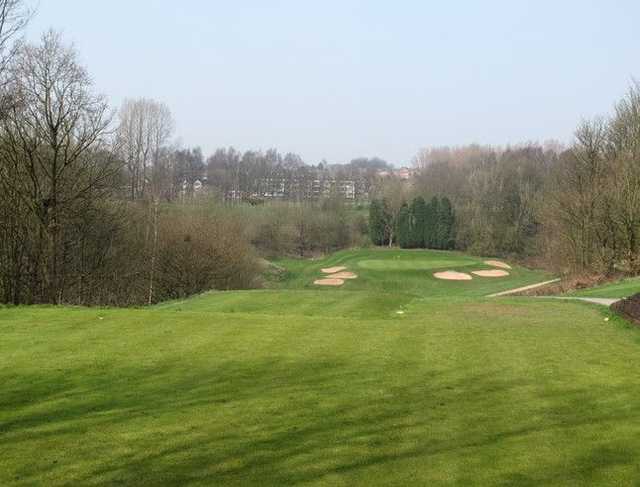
point(418, 222)
point(403, 230)
point(442, 223)
point(447, 224)
point(431, 224)
point(376, 222)
point(388, 223)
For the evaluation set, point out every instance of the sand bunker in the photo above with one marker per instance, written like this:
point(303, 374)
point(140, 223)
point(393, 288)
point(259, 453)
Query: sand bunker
point(343, 275)
point(453, 276)
point(497, 263)
point(336, 276)
point(491, 273)
point(329, 282)
point(333, 270)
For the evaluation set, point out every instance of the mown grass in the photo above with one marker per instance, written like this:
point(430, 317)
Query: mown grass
point(322, 387)
point(405, 271)
point(619, 289)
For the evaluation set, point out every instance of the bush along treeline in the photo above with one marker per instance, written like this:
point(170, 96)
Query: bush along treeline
point(418, 225)
point(304, 229)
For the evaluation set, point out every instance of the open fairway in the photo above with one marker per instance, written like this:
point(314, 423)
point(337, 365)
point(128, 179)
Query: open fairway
point(395, 378)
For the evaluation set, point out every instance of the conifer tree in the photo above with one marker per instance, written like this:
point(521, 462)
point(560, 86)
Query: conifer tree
point(403, 230)
point(376, 222)
point(431, 224)
point(418, 222)
point(447, 224)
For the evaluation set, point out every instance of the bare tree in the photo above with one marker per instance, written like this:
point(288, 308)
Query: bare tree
point(52, 135)
point(395, 194)
point(624, 135)
point(130, 142)
point(143, 132)
point(14, 16)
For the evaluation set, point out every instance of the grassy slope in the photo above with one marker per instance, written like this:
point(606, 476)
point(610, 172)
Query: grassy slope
point(620, 289)
point(325, 387)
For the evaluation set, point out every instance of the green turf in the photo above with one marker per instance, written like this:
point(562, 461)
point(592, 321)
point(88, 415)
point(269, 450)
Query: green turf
point(619, 289)
point(412, 264)
point(405, 271)
point(323, 387)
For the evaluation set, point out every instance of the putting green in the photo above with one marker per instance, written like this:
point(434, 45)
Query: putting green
point(414, 264)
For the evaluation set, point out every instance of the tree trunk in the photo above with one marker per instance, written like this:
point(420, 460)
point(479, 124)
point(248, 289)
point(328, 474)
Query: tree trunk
point(154, 251)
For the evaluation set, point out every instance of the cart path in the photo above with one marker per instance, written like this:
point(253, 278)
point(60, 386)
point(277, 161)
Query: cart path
point(601, 301)
point(521, 289)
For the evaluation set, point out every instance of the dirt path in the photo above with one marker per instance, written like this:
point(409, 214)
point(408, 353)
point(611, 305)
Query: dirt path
point(521, 289)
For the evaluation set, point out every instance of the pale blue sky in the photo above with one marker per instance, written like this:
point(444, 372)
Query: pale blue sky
point(341, 79)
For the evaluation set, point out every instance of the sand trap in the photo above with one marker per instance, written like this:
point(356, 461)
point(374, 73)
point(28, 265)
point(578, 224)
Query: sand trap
point(343, 275)
point(333, 270)
point(329, 282)
point(497, 263)
point(491, 273)
point(453, 276)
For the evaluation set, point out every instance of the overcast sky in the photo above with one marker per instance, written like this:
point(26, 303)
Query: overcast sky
point(346, 78)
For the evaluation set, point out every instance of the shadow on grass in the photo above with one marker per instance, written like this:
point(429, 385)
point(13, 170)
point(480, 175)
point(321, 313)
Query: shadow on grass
point(284, 422)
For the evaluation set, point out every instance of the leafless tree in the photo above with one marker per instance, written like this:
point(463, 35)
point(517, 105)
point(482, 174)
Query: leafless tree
point(577, 193)
point(145, 127)
point(394, 192)
point(624, 136)
point(14, 16)
point(142, 136)
point(52, 137)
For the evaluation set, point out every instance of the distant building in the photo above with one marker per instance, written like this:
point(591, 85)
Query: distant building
point(286, 188)
point(347, 189)
point(403, 173)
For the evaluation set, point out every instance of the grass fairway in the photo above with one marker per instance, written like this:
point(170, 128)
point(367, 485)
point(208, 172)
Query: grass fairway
point(298, 385)
point(409, 272)
point(620, 289)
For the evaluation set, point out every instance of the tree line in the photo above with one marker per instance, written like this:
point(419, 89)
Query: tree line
point(593, 211)
point(156, 169)
point(497, 193)
point(419, 225)
point(82, 192)
point(88, 213)
point(88, 195)
point(574, 209)
point(258, 175)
